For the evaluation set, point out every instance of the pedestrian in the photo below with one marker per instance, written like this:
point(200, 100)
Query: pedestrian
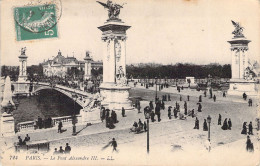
point(205, 93)
point(114, 144)
point(200, 98)
point(250, 129)
point(145, 126)
point(199, 107)
point(188, 97)
point(192, 113)
point(67, 149)
point(205, 126)
point(157, 112)
point(26, 139)
point(244, 130)
point(219, 119)
point(40, 122)
point(55, 151)
point(61, 151)
point(151, 105)
point(107, 114)
point(103, 116)
point(123, 112)
point(152, 116)
point(249, 145)
point(169, 97)
point(20, 141)
point(169, 112)
point(224, 94)
point(225, 125)
point(180, 98)
point(162, 105)
point(229, 124)
point(214, 98)
point(196, 124)
point(139, 108)
point(60, 127)
point(175, 112)
point(210, 91)
point(244, 96)
point(250, 102)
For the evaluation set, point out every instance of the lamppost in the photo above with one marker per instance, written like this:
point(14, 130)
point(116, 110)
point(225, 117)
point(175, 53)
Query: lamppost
point(209, 121)
point(147, 117)
point(155, 89)
point(74, 120)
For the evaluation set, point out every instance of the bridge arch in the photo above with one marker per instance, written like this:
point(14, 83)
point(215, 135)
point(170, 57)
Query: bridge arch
point(66, 93)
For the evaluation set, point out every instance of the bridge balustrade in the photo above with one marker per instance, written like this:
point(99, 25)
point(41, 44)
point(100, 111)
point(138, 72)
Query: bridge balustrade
point(29, 125)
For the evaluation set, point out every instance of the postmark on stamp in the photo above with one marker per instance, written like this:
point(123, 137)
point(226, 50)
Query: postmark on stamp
point(36, 22)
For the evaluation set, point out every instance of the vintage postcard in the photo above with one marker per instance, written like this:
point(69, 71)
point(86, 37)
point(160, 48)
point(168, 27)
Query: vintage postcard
point(130, 82)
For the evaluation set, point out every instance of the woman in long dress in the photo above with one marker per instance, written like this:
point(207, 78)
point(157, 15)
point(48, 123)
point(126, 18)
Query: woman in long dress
point(205, 126)
point(225, 125)
point(244, 130)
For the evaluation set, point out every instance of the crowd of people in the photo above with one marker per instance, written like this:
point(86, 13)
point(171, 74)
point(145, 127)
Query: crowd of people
point(62, 151)
point(110, 119)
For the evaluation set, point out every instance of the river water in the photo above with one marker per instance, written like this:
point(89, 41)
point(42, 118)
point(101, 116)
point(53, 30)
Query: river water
point(49, 103)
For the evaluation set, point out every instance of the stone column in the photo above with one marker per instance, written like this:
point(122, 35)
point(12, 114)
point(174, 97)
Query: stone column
point(22, 67)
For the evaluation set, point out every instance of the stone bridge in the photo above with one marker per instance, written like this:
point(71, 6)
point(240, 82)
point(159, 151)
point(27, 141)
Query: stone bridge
point(80, 97)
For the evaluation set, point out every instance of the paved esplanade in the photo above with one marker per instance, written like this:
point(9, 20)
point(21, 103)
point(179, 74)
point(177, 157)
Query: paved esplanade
point(166, 133)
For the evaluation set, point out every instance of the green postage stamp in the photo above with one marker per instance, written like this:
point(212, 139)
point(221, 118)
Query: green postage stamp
point(35, 22)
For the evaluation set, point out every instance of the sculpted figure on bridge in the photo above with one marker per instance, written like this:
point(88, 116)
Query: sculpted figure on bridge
point(113, 9)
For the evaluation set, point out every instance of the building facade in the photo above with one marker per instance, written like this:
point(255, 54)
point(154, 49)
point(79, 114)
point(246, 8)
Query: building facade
point(61, 66)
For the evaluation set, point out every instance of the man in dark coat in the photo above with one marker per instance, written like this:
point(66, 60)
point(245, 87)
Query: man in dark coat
point(200, 98)
point(157, 112)
point(169, 112)
point(39, 122)
point(229, 124)
point(59, 127)
point(67, 149)
point(152, 116)
point(61, 151)
point(199, 107)
point(192, 113)
point(103, 116)
point(151, 105)
point(175, 112)
point(145, 126)
point(123, 112)
point(114, 144)
point(26, 139)
point(214, 98)
point(162, 105)
point(219, 119)
point(205, 125)
point(250, 129)
point(188, 97)
point(169, 97)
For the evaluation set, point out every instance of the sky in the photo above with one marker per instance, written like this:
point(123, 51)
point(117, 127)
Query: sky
point(162, 31)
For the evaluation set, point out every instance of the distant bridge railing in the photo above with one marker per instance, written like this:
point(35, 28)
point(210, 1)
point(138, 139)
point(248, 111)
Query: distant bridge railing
point(31, 125)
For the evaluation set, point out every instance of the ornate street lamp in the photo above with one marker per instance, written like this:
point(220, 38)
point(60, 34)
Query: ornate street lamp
point(209, 121)
point(155, 88)
point(74, 118)
point(147, 117)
